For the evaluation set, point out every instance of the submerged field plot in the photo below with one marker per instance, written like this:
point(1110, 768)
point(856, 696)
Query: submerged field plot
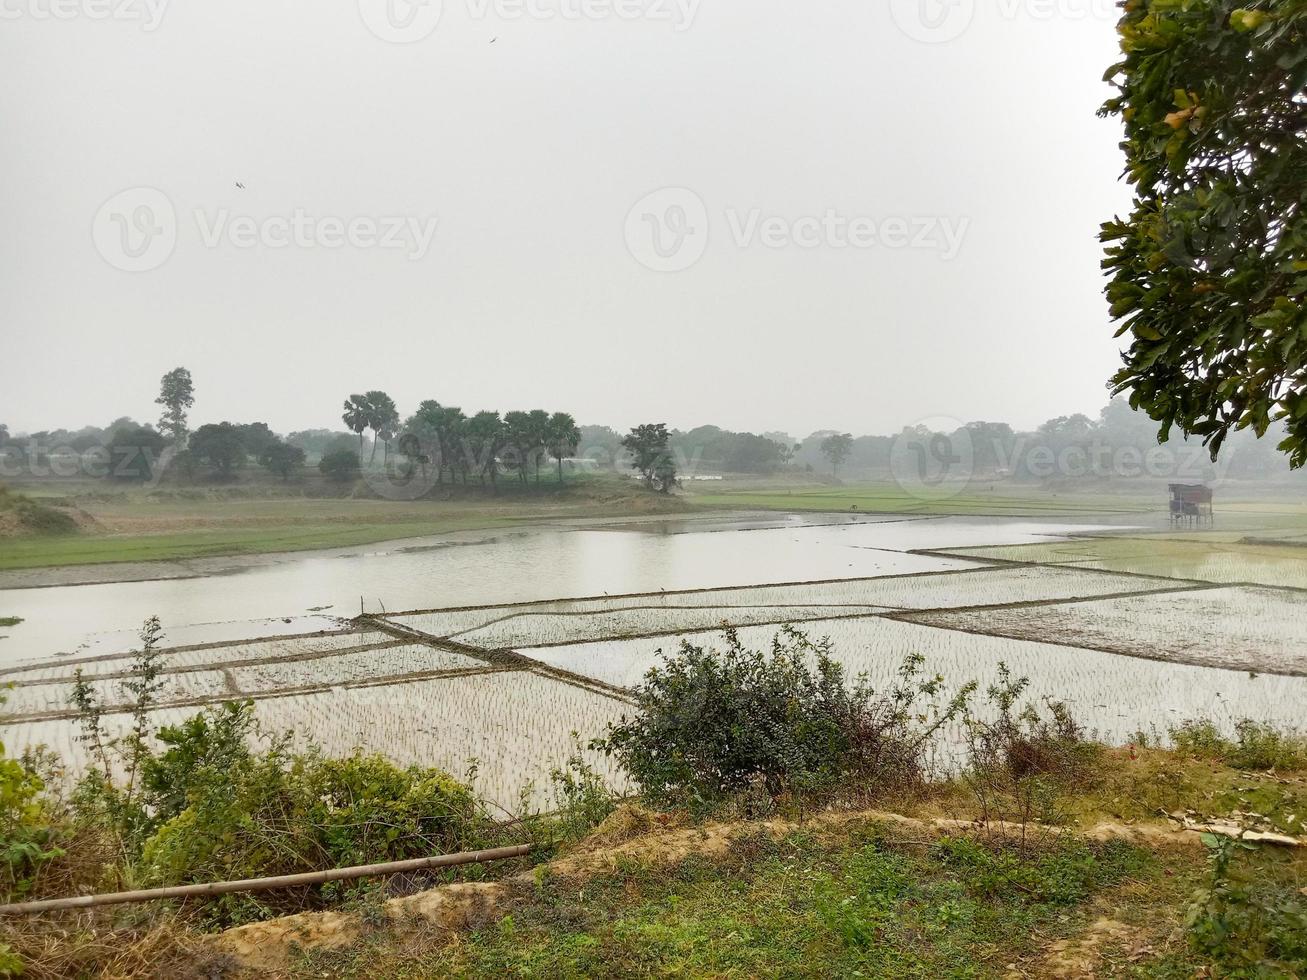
point(1249, 628)
point(507, 685)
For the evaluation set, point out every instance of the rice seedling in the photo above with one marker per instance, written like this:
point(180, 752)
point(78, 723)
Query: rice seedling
point(1252, 628)
point(531, 625)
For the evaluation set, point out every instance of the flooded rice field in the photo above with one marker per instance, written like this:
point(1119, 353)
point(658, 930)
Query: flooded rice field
point(489, 667)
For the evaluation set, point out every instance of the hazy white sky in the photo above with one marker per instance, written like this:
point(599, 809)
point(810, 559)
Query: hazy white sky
point(936, 255)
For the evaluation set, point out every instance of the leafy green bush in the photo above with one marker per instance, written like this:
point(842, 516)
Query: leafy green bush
point(215, 798)
point(582, 800)
point(716, 723)
point(275, 813)
point(1248, 924)
point(341, 466)
point(27, 833)
point(1255, 745)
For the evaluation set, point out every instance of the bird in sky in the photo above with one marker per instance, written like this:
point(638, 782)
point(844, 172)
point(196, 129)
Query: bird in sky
point(240, 185)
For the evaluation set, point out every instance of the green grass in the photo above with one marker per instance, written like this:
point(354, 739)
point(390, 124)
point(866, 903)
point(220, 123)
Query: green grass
point(892, 499)
point(864, 905)
point(94, 549)
point(1217, 557)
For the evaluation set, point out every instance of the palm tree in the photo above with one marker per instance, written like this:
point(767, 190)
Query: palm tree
point(537, 427)
point(383, 418)
point(563, 438)
point(357, 416)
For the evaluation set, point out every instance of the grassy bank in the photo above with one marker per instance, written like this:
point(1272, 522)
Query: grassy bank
point(131, 526)
point(1117, 891)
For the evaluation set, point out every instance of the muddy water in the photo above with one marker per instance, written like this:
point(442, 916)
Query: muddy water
point(483, 568)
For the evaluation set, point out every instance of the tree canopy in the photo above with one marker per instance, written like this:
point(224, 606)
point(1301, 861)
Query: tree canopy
point(651, 456)
point(1209, 271)
point(176, 395)
point(219, 446)
point(836, 448)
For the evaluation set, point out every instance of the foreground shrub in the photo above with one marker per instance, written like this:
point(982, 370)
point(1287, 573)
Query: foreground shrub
point(27, 832)
point(1255, 745)
point(715, 723)
point(1249, 923)
point(214, 798)
point(1020, 763)
point(279, 814)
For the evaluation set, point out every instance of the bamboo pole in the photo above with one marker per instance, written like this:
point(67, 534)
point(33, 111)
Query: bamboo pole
point(267, 884)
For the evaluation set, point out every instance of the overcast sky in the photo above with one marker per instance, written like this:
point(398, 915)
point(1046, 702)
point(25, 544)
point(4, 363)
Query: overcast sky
point(938, 174)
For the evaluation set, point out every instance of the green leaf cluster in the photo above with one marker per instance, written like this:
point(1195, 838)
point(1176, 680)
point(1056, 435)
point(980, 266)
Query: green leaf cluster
point(1208, 274)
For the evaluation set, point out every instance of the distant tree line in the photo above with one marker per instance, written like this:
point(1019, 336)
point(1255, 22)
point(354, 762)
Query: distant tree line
point(445, 445)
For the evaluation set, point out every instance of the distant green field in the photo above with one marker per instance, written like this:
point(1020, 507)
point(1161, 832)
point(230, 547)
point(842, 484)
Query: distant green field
point(892, 499)
point(1219, 558)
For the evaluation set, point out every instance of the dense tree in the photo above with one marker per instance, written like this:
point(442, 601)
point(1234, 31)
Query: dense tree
point(435, 433)
point(281, 458)
point(734, 452)
point(836, 449)
point(219, 447)
point(134, 452)
point(992, 445)
point(176, 395)
point(340, 466)
point(651, 456)
point(538, 427)
point(256, 437)
point(600, 443)
point(563, 438)
point(519, 443)
point(319, 442)
point(1209, 271)
point(483, 439)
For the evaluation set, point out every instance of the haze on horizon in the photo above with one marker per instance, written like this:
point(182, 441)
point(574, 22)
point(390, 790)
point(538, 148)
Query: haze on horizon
point(530, 140)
